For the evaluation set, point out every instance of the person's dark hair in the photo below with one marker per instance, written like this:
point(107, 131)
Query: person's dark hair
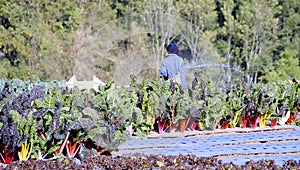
point(172, 48)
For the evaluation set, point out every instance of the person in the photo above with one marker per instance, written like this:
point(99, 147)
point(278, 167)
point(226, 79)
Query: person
point(172, 67)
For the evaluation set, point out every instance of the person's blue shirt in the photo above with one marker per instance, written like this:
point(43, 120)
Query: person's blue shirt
point(171, 66)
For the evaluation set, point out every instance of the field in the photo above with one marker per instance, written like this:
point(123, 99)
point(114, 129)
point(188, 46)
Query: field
point(57, 127)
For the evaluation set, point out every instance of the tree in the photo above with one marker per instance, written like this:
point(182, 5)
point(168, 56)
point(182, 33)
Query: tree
point(247, 34)
point(37, 34)
point(55, 39)
point(257, 24)
point(88, 48)
point(286, 60)
point(162, 20)
point(133, 60)
point(228, 30)
point(198, 29)
point(15, 35)
point(286, 68)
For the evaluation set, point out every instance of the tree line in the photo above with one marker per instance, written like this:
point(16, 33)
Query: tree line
point(115, 39)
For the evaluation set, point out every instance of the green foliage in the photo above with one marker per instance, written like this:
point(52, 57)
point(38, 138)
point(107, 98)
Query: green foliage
point(199, 31)
point(44, 122)
point(53, 40)
point(127, 7)
point(286, 68)
point(215, 107)
point(26, 127)
point(29, 30)
point(166, 105)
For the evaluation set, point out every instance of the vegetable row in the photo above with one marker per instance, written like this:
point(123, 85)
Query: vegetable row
point(42, 120)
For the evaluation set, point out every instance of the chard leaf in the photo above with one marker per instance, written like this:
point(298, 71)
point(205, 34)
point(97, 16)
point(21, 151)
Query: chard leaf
point(93, 114)
point(85, 124)
point(106, 136)
point(48, 117)
point(15, 115)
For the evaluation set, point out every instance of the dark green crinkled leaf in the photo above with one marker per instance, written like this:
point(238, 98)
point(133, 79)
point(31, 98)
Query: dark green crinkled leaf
point(85, 124)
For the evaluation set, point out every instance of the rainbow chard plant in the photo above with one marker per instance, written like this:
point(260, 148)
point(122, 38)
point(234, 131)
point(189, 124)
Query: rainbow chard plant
point(147, 101)
point(26, 128)
point(235, 103)
point(286, 97)
point(106, 135)
point(9, 134)
point(253, 100)
point(23, 113)
point(199, 95)
point(53, 119)
point(165, 106)
point(215, 110)
point(188, 109)
point(9, 137)
point(134, 106)
point(109, 124)
point(263, 106)
point(18, 124)
point(215, 107)
point(55, 131)
point(76, 136)
point(293, 99)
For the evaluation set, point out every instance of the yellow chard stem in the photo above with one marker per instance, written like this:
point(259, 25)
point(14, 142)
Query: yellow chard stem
point(30, 149)
point(24, 151)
